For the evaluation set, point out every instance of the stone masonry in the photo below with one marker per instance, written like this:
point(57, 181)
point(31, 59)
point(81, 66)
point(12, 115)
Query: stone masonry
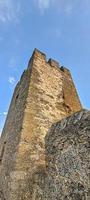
point(44, 95)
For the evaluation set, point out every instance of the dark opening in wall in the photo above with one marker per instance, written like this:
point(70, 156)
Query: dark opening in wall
point(62, 68)
point(16, 98)
point(2, 152)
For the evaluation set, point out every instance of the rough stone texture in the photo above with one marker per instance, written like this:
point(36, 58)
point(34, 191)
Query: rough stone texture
point(68, 158)
point(44, 95)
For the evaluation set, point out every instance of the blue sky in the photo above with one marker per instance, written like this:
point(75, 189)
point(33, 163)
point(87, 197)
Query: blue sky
point(60, 28)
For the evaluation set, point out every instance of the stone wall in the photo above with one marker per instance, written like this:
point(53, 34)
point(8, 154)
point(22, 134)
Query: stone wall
point(44, 95)
point(11, 134)
point(68, 158)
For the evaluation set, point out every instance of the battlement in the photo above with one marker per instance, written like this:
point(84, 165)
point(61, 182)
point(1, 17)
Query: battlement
point(53, 63)
point(37, 54)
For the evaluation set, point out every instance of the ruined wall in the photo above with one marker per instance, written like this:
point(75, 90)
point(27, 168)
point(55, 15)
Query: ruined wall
point(67, 158)
point(42, 97)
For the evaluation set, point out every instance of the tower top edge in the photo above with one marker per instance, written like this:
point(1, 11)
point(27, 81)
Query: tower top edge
point(52, 62)
point(37, 52)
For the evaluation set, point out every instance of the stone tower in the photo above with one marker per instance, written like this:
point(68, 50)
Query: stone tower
point(44, 95)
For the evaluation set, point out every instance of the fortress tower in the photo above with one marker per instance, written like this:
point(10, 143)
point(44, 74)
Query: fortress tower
point(44, 95)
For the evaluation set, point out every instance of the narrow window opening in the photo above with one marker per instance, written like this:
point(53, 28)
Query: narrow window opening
point(16, 98)
point(2, 152)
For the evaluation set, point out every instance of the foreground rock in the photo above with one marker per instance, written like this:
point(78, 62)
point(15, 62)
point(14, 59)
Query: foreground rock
point(67, 157)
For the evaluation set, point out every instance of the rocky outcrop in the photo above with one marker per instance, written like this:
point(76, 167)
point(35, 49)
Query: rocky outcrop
point(68, 158)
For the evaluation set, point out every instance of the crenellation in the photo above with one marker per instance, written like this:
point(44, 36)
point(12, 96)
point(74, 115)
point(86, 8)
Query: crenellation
point(64, 69)
point(41, 57)
point(53, 63)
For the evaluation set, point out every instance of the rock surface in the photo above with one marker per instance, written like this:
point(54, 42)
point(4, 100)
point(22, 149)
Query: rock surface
point(68, 158)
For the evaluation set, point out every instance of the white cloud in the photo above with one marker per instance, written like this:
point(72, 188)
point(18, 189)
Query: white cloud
point(11, 80)
point(43, 4)
point(4, 113)
point(9, 10)
point(58, 5)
